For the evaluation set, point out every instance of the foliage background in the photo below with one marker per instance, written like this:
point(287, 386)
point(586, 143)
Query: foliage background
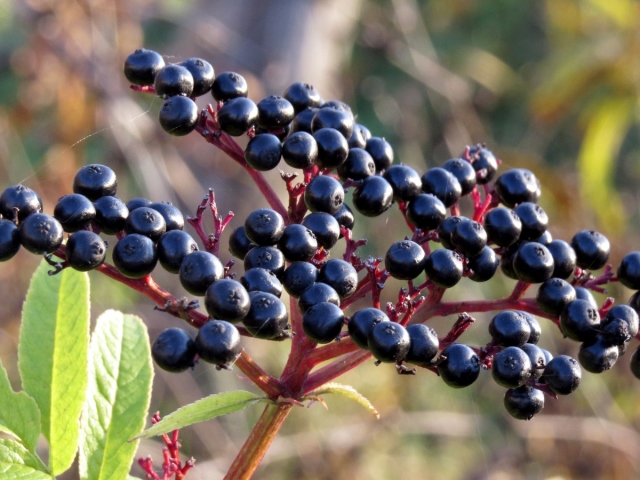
point(551, 86)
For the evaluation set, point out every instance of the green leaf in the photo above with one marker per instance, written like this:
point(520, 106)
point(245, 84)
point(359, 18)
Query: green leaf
point(201, 410)
point(346, 391)
point(12, 452)
point(120, 377)
point(13, 471)
point(19, 414)
point(52, 355)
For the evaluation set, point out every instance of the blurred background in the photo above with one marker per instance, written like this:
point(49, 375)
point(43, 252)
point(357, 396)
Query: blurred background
point(551, 86)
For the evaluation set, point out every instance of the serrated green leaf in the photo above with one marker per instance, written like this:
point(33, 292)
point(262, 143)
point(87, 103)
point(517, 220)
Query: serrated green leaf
point(12, 471)
point(19, 414)
point(52, 356)
point(12, 452)
point(346, 391)
point(202, 410)
point(120, 378)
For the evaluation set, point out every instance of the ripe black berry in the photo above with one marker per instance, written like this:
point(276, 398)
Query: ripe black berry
point(358, 165)
point(580, 321)
point(524, 402)
point(516, 186)
point(178, 116)
point(445, 230)
point(536, 331)
point(95, 181)
point(361, 323)
point(198, 270)
point(135, 256)
point(173, 80)
point(40, 233)
point(562, 375)
point(173, 246)
point(533, 263)
point(302, 121)
point(629, 270)
point(345, 217)
point(484, 265)
point(298, 243)
point(141, 67)
point(424, 344)
point(381, 152)
point(174, 350)
point(339, 275)
point(267, 318)
point(510, 328)
point(389, 342)
point(592, 249)
point(404, 181)
point(469, 238)
point(598, 355)
point(137, 202)
point(22, 198)
point(537, 357)
point(333, 148)
point(444, 268)
point(373, 196)
point(264, 227)
point(227, 299)
point(302, 95)
point(146, 221)
point(555, 294)
point(324, 194)
point(202, 73)
point(74, 212)
point(9, 240)
point(359, 136)
point(85, 251)
point(229, 85)
point(503, 226)
point(218, 342)
point(274, 112)
point(299, 276)
point(534, 220)
point(322, 322)
point(564, 258)
point(484, 163)
point(404, 260)
point(316, 293)
point(329, 117)
point(426, 211)
point(237, 116)
point(261, 280)
point(511, 367)
point(111, 215)
point(463, 171)
point(325, 227)
point(442, 184)
point(265, 257)
point(300, 150)
point(239, 243)
point(173, 218)
point(458, 365)
point(626, 313)
point(583, 293)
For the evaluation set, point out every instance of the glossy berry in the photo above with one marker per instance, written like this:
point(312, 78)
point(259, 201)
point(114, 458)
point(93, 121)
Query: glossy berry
point(533, 263)
point(592, 249)
point(237, 116)
point(300, 150)
point(511, 367)
point(523, 403)
point(537, 357)
point(316, 293)
point(545, 238)
point(554, 295)
point(389, 342)
point(338, 119)
point(562, 375)
point(111, 215)
point(178, 116)
point(510, 329)
point(198, 271)
point(302, 121)
point(173, 80)
point(597, 355)
point(623, 312)
point(274, 112)
point(173, 247)
point(536, 331)
point(629, 271)
point(298, 243)
point(634, 364)
point(227, 299)
point(324, 194)
point(141, 67)
point(381, 152)
point(95, 181)
point(74, 212)
point(202, 74)
point(269, 258)
point(267, 318)
point(463, 171)
point(484, 163)
point(302, 95)
point(564, 258)
point(484, 265)
point(424, 344)
point(345, 217)
point(442, 184)
point(583, 293)
point(173, 218)
point(444, 268)
point(9, 240)
point(580, 321)
point(507, 257)
point(263, 152)
point(85, 251)
point(359, 136)
point(333, 148)
point(517, 186)
point(361, 323)
point(426, 212)
point(135, 256)
point(264, 227)
point(358, 165)
point(22, 198)
point(261, 280)
point(339, 275)
point(469, 238)
point(534, 220)
point(138, 202)
point(174, 350)
point(458, 365)
point(146, 221)
point(299, 276)
point(239, 243)
point(229, 85)
point(404, 260)
point(325, 227)
point(41, 233)
point(445, 230)
point(323, 322)
point(404, 181)
point(503, 226)
point(373, 196)
point(218, 342)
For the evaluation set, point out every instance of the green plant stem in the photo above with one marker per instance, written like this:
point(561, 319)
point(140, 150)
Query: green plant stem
point(259, 441)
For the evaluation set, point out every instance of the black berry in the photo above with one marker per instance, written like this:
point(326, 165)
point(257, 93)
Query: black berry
point(173, 80)
point(74, 212)
point(174, 350)
point(198, 270)
point(95, 181)
point(173, 246)
point(361, 323)
point(85, 251)
point(227, 299)
point(592, 249)
point(323, 322)
point(40, 233)
point(22, 198)
point(202, 73)
point(458, 365)
point(178, 116)
point(135, 256)
point(229, 85)
point(389, 342)
point(141, 67)
point(218, 342)
point(237, 116)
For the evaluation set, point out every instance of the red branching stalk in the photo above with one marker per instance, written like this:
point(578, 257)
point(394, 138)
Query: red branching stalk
point(211, 241)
